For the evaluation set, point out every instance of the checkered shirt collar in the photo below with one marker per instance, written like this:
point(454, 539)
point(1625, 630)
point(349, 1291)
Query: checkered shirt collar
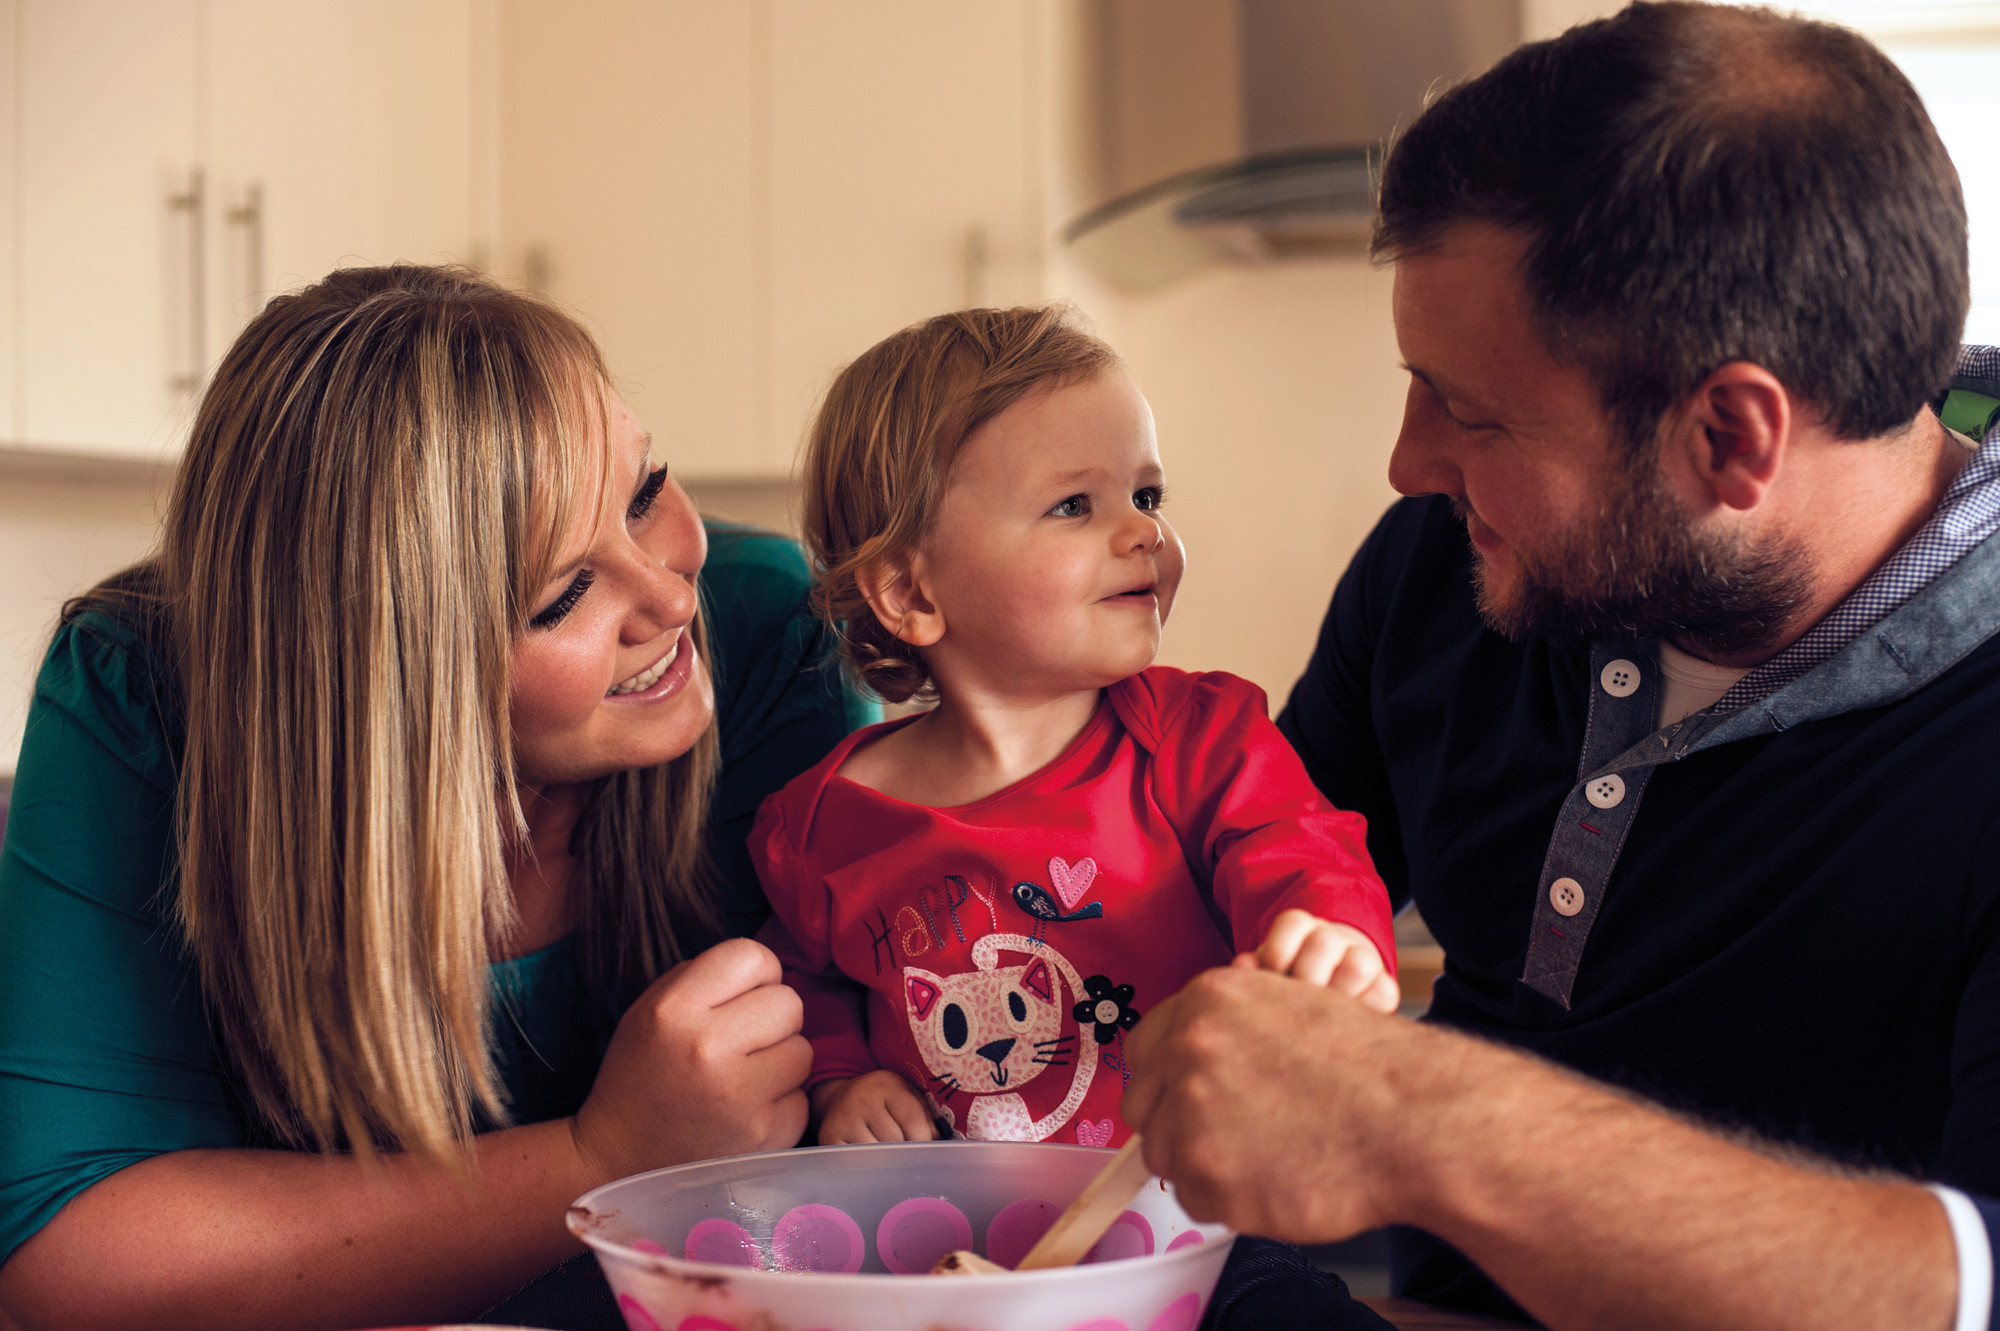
point(1967, 515)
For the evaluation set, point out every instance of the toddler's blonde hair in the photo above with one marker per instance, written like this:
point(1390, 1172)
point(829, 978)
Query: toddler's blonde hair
point(882, 447)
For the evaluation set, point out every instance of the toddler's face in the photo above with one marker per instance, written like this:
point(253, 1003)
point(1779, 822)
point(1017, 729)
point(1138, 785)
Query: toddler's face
point(1050, 560)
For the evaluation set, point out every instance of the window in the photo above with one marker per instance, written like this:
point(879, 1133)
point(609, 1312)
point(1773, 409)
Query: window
point(1951, 51)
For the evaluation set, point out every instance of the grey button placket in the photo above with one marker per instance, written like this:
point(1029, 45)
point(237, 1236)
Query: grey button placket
point(1904, 651)
point(1596, 815)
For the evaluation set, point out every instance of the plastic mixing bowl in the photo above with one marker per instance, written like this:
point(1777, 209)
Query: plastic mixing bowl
point(841, 1238)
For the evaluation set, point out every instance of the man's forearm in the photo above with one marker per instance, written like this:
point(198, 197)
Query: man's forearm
point(1590, 1209)
point(1594, 1211)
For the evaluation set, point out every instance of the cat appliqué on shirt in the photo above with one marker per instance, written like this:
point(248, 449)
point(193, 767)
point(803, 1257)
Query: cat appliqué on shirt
point(987, 1032)
point(993, 1030)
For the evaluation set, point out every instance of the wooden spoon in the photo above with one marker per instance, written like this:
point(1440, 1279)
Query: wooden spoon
point(1080, 1226)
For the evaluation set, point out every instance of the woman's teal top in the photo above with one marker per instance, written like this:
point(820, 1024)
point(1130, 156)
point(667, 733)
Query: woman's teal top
point(107, 1055)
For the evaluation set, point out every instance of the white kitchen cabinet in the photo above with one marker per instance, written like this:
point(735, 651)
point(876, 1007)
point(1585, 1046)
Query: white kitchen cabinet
point(902, 179)
point(107, 288)
point(181, 160)
point(338, 133)
point(634, 194)
point(743, 197)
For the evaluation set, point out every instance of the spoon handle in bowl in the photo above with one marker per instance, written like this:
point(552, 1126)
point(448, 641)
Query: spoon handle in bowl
point(1086, 1218)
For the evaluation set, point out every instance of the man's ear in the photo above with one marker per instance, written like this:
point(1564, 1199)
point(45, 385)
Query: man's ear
point(1736, 429)
point(896, 593)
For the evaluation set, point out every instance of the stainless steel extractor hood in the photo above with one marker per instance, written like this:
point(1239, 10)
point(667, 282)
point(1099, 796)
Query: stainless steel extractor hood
point(1248, 130)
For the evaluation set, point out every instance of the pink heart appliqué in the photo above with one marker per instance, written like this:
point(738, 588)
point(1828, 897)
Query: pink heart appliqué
point(1093, 1134)
point(1071, 880)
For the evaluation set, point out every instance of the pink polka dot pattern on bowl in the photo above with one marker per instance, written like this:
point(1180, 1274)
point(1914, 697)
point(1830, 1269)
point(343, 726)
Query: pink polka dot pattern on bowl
point(814, 1237)
point(636, 1317)
point(1183, 1314)
point(915, 1233)
point(698, 1323)
point(1017, 1227)
point(723, 1243)
point(1188, 1239)
point(647, 1245)
point(1130, 1235)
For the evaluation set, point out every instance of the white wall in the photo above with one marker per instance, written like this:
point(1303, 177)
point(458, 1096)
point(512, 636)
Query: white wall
point(61, 529)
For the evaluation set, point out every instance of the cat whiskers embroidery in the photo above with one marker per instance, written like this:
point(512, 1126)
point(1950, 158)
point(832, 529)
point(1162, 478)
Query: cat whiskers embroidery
point(1054, 1053)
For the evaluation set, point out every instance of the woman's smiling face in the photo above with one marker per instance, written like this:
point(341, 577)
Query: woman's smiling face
point(605, 674)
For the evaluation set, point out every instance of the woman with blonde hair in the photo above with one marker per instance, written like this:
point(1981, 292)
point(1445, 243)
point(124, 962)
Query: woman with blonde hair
point(375, 876)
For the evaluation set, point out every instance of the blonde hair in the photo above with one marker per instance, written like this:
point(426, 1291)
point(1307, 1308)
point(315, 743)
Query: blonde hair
point(372, 495)
point(881, 449)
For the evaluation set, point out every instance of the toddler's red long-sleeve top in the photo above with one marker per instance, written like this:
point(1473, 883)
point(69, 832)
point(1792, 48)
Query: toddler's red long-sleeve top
point(996, 953)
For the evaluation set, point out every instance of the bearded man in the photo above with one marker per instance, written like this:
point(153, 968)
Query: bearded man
point(1672, 694)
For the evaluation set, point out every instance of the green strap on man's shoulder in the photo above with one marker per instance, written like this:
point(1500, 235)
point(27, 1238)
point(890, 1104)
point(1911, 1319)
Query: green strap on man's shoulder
point(1969, 413)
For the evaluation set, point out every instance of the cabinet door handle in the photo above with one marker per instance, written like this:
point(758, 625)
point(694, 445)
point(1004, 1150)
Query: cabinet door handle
point(250, 216)
point(191, 202)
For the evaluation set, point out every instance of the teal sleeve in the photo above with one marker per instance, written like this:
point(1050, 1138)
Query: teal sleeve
point(781, 699)
point(105, 1053)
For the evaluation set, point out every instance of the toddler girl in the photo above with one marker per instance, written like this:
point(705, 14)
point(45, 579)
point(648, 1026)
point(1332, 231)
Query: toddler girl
point(977, 902)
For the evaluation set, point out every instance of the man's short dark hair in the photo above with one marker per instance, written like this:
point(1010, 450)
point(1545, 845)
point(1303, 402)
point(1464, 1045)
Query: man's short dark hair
point(1702, 184)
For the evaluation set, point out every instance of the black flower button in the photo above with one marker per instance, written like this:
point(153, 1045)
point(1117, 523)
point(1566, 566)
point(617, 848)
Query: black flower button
point(1108, 1007)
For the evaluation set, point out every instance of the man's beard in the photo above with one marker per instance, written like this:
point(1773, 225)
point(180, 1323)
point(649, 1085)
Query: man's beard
point(1641, 569)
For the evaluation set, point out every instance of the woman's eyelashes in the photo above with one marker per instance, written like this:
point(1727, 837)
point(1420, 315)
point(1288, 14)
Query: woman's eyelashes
point(648, 492)
point(553, 613)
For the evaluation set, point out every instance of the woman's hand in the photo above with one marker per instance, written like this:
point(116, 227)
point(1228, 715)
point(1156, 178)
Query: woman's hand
point(877, 1106)
point(709, 1061)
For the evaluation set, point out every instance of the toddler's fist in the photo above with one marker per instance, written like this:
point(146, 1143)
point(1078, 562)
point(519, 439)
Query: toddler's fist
point(1337, 956)
point(877, 1106)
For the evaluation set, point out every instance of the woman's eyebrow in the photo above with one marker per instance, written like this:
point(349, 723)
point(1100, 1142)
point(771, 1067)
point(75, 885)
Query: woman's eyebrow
point(639, 483)
point(645, 462)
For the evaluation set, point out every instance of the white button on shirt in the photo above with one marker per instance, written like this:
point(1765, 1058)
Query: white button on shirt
point(1606, 792)
point(1620, 678)
point(1566, 895)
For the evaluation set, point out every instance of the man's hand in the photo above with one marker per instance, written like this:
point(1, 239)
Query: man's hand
point(1334, 956)
point(877, 1106)
point(1257, 1096)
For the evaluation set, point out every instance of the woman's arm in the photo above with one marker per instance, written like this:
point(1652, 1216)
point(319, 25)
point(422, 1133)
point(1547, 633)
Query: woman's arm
point(708, 1062)
point(282, 1238)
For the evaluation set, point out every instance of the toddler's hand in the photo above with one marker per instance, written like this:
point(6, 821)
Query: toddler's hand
point(874, 1107)
point(1338, 956)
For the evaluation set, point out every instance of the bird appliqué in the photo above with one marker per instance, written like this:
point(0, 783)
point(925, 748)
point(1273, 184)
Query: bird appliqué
point(1071, 882)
